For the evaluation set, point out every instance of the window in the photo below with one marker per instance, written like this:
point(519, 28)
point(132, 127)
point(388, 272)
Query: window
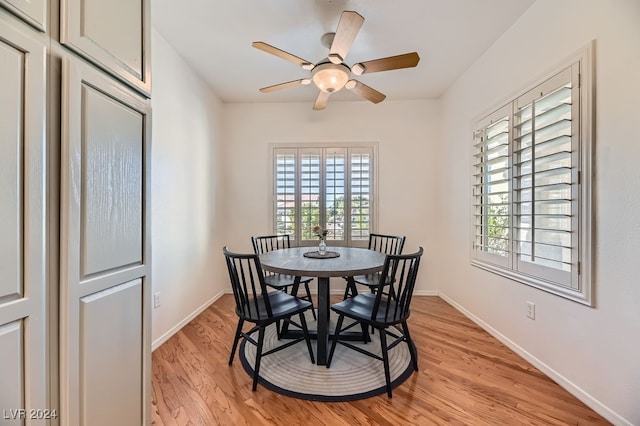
point(531, 186)
point(329, 186)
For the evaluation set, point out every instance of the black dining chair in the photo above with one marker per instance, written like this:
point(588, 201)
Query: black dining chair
point(255, 304)
point(387, 244)
point(267, 243)
point(382, 311)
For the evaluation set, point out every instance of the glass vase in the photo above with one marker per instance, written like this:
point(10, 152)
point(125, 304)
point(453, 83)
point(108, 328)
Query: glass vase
point(322, 247)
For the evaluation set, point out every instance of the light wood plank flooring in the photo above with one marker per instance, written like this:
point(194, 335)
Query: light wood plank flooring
point(466, 377)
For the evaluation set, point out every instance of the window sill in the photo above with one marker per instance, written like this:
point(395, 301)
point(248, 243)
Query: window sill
point(567, 293)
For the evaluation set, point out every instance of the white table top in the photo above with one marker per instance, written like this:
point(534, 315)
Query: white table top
point(352, 261)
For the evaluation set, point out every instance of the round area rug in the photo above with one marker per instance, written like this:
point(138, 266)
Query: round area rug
point(352, 375)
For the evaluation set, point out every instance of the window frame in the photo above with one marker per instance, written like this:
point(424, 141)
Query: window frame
point(322, 148)
point(580, 287)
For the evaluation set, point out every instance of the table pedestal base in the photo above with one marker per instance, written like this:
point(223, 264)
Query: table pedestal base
point(322, 334)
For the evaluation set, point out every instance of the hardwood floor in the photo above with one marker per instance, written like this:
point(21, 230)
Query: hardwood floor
point(466, 377)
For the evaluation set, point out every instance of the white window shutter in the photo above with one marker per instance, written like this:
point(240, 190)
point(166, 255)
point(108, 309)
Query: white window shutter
point(531, 200)
point(544, 174)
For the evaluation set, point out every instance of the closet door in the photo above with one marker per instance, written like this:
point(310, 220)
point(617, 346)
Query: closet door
point(114, 34)
point(23, 342)
point(105, 348)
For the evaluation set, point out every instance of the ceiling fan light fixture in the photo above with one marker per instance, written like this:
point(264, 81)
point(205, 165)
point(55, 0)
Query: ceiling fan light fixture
point(330, 77)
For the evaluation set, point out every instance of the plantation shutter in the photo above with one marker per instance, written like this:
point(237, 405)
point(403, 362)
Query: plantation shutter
point(360, 190)
point(285, 195)
point(545, 167)
point(335, 188)
point(331, 187)
point(532, 198)
point(310, 192)
point(491, 189)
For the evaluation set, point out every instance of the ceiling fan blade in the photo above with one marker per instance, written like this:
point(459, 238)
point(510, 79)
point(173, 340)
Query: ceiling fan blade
point(365, 91)
point(286, 85)
point(281, 53)
point(321, 100)
point(348, 27)
point(408, 60)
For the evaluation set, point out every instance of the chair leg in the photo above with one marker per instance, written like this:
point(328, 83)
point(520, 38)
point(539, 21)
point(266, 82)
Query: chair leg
point(350, 290)
point(412, 346)
point(365, 333)
point(373, 291)
point(236, 339)
point(313, 310)
point(256, 368)
point(336, 333)
point(385, 359)
point(305, 330)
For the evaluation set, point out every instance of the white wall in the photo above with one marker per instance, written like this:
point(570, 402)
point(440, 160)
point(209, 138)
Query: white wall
point(595, 352)
point(405, 130)
point(187, 193)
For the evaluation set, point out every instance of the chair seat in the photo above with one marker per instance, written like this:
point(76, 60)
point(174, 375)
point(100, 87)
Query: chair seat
point(282, 280)
point(368, 279)
point(361, 307)
point(283, 305)
point(382, 311)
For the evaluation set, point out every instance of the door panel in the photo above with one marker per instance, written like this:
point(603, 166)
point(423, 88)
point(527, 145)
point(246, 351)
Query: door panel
point(33, 12)
point(123, 361)
point(11, 169)
point(87, 27)
point(23, 281)
point(11, 371)
point(105, 348)
point(111, 184)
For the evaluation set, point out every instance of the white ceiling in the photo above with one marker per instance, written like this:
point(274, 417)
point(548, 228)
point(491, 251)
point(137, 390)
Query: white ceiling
point(215, 36)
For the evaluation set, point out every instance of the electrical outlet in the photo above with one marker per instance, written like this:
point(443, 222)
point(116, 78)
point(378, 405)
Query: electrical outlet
point(531, 310)
point(156, 300)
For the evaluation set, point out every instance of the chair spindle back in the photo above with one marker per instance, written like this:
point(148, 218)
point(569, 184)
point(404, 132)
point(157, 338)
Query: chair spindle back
point(247, 282)
point(387, 244)
point(401, 271)
point(267, 243)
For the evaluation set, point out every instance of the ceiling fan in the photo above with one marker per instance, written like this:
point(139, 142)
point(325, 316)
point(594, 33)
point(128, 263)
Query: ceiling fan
point(331, 74)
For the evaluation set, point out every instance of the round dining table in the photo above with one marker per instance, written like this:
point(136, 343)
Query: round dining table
point(349, 262)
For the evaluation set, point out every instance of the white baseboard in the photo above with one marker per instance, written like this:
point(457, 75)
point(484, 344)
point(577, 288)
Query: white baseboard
point(166, 336)
point(568, 385)
point(426, 293)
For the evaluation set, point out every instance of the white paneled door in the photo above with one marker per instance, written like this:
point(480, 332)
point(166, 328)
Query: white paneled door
point(23, 341)
point(104, 303)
